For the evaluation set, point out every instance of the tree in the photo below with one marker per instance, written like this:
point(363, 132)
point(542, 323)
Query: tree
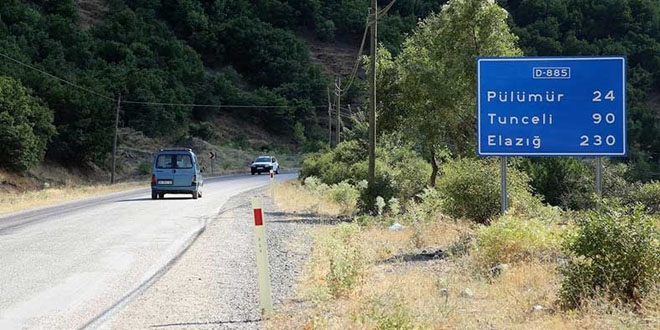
point(434, 102)
point(604, 27)
point(26, 127)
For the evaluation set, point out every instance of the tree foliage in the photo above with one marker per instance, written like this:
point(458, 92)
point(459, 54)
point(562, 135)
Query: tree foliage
point(604, 27)
point(165, 52)
point(245, 53)
point(26, 126)
point(432, 96)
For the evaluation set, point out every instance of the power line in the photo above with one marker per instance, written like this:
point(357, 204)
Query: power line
point(384, 10)
point(145, 102)
point(364, 38)
point(357, 61)
point(57, 78)
point(210, 105)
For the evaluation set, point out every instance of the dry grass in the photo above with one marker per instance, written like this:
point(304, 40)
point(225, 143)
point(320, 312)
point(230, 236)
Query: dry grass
point(432, 294)
point(290, 197)
point(12, 202)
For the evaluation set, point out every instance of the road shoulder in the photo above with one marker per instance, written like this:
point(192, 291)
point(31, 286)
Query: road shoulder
point(214, 284)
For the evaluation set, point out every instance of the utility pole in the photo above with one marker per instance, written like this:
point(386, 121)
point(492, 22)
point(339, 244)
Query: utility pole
point(338, 91)
point(371, 173)
point(114, 144)
point(329, 120)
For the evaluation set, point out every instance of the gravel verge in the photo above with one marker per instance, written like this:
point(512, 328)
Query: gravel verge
point(214, 283)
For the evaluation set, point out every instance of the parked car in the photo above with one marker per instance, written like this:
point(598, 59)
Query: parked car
point(263, 164)
point(176, 171)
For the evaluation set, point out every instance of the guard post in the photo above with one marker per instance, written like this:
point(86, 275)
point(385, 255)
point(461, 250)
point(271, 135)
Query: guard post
point(263, 273)
point(272, 186)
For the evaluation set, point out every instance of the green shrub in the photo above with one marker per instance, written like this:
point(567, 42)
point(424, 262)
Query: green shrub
point(144, 167)
point(345, 195)
point(26, 126)
point(335, 166)
point(430, 201)
point(314, 185)
point(345, 259)
point(470, 189)
point(565, 182)
point(394, 206)
point(203, 130)
point(569, 182)
point(615, 184)
point(406, 170)
point(400, 171)
point(325, 29)
point(615, 253)
point(649, 196)
point(386, 315)
point(511, 239)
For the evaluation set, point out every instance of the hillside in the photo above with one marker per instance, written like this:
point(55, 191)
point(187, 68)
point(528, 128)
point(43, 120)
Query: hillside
point(177, 66)
point(177, 69)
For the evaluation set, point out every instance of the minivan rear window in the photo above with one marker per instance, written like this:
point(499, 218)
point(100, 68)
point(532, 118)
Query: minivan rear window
point(173, 161)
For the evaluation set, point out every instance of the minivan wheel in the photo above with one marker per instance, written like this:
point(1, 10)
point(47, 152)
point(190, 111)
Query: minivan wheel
point(154, 195)
point(161, 195)
point(194, 194)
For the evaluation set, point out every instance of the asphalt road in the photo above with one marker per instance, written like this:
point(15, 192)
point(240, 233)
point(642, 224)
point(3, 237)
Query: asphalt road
point(66, 266)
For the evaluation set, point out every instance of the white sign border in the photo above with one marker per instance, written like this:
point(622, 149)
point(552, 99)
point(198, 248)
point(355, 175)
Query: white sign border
point(556, 58)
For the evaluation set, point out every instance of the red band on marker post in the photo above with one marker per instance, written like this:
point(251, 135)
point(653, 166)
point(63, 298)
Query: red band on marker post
point(258, 217)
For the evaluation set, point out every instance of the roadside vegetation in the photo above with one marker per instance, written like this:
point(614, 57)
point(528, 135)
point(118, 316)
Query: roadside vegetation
point(255, 56)
point(415, 266)
point(428, 248)
point(248, 58)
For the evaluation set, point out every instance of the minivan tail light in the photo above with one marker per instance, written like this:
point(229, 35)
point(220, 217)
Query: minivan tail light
point(153, 178)
point(194, 178)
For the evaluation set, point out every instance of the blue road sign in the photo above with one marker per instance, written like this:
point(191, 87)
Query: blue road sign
point(551, 106)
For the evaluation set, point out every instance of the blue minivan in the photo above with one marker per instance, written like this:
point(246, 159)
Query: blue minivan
point(176, 171)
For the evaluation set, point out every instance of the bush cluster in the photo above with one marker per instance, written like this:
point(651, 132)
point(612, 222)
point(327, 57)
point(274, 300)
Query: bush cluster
point(615, 253)
point(26, 126)
point(400, 172)
point(384, 315)
point(343, 194)
point(649, 196)
point(471, 189)
point(512, 239)
point(345, 259)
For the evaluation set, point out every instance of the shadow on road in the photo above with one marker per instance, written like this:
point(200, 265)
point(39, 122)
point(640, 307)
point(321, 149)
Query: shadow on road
point(201, 323)
point(149, 198)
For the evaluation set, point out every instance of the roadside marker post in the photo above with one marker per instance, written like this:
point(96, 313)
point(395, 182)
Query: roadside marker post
point(263, 273)
point(272, 186)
